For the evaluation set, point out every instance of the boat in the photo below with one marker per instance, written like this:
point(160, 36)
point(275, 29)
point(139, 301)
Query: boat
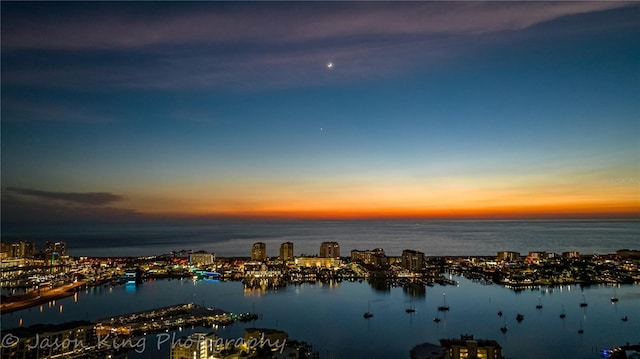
point(411, 309)
point(614, 299)
point(584, 302)
point(562, 315)
point(624, 319)
point(504, 328)
point(368, 314)
point(500, 313)
point(436, 319)
point(444, 307)
point(539, 306)
point(519, 317)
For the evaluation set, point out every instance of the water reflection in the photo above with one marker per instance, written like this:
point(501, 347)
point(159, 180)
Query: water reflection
point(330, 315)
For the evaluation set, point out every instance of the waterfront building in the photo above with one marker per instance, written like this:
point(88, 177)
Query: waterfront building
point(31, 343)
point(202, 258)
point(54, 250)
point(570, 255)
point(508, 256)
point(286, 251)
point(195, 346)
point(412, 260)
point(374, 257)
point(536, 257)
point(22, 249)
point(261, 270)
point(259, 252)
point(330, 250)
point(311, 262)
point(132, 276)
point(467, 347)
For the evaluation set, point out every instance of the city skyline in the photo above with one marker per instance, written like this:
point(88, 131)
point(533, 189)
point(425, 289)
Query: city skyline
point(358, 110)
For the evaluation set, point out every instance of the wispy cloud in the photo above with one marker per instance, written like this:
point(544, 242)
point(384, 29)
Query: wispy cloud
point(122, 26)
point(248, 46)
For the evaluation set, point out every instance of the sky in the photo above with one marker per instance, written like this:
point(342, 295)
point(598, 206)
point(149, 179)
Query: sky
point(332, 110)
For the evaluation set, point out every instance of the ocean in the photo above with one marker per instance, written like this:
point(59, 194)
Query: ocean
point(434, 238)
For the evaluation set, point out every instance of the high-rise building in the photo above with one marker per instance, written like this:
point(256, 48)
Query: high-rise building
point(412, 260)
point(259, 252)
point(329, 250)
point(375, 257)
point(22, 249)
point(286, 251)
point(54, 250)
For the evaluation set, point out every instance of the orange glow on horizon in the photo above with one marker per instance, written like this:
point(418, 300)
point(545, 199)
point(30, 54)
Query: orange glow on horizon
point(492, 197)
point(495, 213)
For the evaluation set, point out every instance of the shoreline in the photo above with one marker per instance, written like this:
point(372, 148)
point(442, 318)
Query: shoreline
point(32, 299)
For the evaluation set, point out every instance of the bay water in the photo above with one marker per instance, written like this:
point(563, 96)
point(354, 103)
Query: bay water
point(330, 315)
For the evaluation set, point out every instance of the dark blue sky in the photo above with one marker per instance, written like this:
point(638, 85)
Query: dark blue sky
point(429, 109)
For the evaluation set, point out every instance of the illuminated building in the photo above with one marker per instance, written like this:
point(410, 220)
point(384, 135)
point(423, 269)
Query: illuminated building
point(468, 348)
point(5, 250)
point(330, 250)
point(536, 257)
point(54, 250)
point(32, 341)
point(133, 276)
point(195, 346)
point(507, 256)
point(261, 270)
point(286, 251)
point(22, 249)
point(317, 262)
point(259, 252)
point(202, 258)
point(570, 254)
point(412, 260)
point(375, 257)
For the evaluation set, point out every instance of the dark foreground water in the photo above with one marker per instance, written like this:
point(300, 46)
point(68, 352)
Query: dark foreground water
point(330, 316)
point(234, 238)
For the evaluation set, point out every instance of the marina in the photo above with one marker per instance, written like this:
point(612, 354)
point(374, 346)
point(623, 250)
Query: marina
point(339, 307)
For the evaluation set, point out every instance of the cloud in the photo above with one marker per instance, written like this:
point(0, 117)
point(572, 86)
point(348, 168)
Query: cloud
point(125, 25)
point(250, 46)
point(88, 198)
point(30, 205)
